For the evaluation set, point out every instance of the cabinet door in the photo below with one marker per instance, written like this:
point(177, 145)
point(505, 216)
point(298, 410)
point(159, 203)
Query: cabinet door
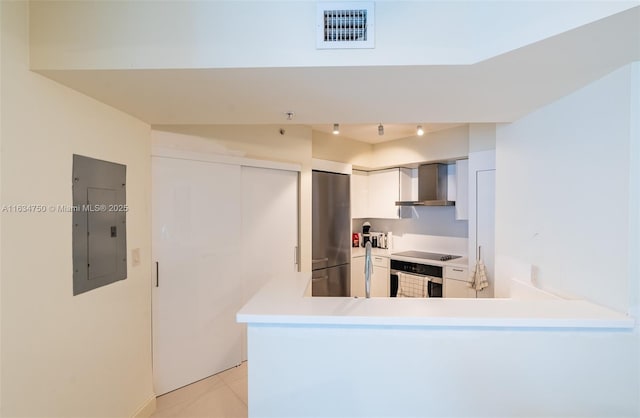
point(196, 243)
point(384, 191)
point(357, 277)
point(485, 226)
point(359, 194)
point(380, 282)
point(457, 289)
point(379, 277)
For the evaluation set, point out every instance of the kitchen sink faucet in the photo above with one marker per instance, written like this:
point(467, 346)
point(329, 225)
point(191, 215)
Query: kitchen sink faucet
point(368, 268)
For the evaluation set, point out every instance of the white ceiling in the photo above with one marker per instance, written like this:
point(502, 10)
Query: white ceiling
point(368, 132)
point(500, 89)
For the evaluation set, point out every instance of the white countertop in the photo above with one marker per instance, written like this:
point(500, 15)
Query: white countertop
point(281, 301)
point(380, 252)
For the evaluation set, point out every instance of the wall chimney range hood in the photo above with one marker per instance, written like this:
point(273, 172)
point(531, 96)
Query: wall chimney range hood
point(432, 187)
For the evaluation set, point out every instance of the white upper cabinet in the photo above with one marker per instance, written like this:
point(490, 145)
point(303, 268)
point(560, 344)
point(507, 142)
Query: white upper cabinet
point(374, 194)
point(359, 194)
point(384, 191)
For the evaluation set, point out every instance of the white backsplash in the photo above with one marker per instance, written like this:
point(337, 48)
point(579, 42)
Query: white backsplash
point(431, 229)
point(430, 243)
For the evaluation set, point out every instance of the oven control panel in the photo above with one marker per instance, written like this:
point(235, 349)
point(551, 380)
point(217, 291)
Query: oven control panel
point(417, 268)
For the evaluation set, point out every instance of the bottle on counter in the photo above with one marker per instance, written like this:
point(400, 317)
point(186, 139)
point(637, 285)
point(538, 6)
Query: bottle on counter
point(383, 240)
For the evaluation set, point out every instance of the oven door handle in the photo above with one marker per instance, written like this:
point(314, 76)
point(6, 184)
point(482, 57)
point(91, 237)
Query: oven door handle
point(433, 279)
point(437, 280)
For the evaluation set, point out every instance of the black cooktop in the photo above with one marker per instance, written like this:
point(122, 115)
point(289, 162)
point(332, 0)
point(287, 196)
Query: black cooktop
point(426, 256)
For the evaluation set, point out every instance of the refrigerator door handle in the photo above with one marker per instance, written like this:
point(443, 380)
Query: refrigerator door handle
point(320, 260)
point(321, 278)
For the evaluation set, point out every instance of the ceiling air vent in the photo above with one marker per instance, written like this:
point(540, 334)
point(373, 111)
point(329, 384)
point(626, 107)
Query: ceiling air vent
point(345, 25)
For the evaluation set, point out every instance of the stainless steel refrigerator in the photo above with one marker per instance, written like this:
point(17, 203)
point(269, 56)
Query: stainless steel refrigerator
point(331, 234)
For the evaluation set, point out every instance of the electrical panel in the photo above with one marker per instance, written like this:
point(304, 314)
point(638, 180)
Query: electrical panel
point(99, 223)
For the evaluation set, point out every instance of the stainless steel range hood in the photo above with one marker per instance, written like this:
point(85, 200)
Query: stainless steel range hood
point(432, 187)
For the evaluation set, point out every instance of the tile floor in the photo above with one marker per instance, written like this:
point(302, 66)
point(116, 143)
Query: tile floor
point(223, 395)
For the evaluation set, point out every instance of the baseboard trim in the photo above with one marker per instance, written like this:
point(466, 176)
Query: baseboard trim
point(148, 408)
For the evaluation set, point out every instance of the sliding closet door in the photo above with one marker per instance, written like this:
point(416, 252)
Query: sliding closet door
point(269, 228)
point(197, 291)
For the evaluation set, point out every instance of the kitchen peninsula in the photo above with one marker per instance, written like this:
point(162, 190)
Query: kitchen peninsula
point(344, 356)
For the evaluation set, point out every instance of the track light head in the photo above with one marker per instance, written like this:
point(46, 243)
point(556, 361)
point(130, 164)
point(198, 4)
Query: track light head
point(380, 129)
point(336, 128)
point(419, 130)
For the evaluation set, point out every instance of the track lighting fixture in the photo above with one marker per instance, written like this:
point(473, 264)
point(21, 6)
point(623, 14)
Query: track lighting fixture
point(336, 129)
point(380, 129)
point(419, 130)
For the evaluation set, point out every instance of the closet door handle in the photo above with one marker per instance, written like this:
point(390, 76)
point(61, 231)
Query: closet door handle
point(157, 274)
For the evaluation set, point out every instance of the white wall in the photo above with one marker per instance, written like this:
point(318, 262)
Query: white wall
point(634, 195)
point(338, 148)
point(174, 34)
point(447, 144)
point(482, 137)
point(1, 220)
point(431, 229)
point(426, 220)
point(634, 204)
point(65, 355)
point(564, 193)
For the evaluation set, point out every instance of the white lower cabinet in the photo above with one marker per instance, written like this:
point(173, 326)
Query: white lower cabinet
point(456, 283)
point(379, 278)
point(357, 276)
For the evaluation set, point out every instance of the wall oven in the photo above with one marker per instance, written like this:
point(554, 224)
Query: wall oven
point(432, 274)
